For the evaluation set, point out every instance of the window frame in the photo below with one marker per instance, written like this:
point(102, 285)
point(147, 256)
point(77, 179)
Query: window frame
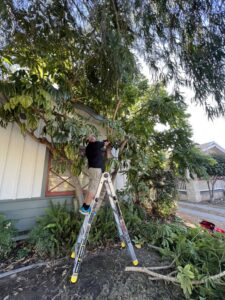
point(49, 193)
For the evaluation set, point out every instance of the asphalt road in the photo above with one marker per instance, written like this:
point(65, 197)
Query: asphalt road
point(196, 212)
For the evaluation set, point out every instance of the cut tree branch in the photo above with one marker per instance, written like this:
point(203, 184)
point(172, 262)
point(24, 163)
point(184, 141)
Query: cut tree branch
point(158, 276)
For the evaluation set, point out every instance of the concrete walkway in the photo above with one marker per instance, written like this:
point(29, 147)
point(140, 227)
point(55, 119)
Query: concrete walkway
point(195, 212)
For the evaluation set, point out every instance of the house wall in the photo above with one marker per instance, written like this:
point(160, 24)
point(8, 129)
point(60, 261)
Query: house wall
point(21, 165)
point(24, 212)
point(197, 191)
point(23, 175)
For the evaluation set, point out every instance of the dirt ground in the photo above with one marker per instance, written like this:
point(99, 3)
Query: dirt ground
point(102, 277)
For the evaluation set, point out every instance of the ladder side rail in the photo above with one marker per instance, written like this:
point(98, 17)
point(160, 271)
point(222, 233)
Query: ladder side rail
point(116, 208)
point(81, 251)
point(120, 232)
point(86, 219)
point(80, 245)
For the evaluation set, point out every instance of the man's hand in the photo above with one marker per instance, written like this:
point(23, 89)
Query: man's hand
point(106, 143)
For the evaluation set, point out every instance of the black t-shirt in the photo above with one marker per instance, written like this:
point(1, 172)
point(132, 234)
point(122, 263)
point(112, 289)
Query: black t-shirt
point(94, 155)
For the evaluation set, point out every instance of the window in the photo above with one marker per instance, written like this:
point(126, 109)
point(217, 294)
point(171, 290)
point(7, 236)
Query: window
point(62, 184)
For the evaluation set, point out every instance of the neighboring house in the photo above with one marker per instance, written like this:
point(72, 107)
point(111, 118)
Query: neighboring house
point(197, 190)
point(27, 181)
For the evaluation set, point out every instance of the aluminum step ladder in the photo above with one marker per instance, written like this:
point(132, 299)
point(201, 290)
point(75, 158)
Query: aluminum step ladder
point(79, 247)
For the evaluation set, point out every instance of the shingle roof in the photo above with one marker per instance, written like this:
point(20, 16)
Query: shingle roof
point(207, 146)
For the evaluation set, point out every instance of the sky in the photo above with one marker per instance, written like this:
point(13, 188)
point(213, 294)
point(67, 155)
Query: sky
point(204, 130)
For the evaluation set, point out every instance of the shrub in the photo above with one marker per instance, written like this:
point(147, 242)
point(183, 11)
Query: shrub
point(164, 209)
point(7, 231)
point(22, 252)
point(56, 231)
point(196, 253)
point(104, 229)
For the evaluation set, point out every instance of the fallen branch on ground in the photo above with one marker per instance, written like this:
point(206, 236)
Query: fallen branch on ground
point(162, 267)
point(12, 272)
point(26, 268)
point(154, 247)
point(158, 276)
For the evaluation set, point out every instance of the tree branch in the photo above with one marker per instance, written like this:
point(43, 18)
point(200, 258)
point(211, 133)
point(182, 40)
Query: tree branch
point(158, 276)
point(40, 140)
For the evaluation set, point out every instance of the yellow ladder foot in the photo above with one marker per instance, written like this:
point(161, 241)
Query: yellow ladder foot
point(123, 245)
point(74, 278)
point(135, 262)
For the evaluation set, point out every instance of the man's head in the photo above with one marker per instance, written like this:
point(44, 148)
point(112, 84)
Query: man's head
point(91, 138)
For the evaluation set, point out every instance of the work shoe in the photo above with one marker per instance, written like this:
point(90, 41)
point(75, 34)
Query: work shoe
point(84, 211)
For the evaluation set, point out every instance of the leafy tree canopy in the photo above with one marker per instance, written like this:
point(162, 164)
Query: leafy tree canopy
point(56, 54)
point(93, 44)
point(218, 168)
point(214, 170)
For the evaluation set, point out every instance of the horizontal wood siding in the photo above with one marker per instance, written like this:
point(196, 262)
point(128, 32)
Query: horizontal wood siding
point(24, 212)
point(21, 165)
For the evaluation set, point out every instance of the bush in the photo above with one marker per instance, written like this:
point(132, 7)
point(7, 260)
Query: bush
point(164, 209)
point(7, 231)
point(104, 229)
point(55, 232)
point(196, 252)
point(22, 252)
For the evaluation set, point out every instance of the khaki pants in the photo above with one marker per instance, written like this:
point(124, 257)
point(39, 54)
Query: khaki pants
point(94, 175)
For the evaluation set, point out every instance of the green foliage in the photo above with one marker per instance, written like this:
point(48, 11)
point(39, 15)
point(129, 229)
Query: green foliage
point(92, 42)
point(196, 253)
point(23, 252)
point(157, 157)
point(55, 232)
point(7, 232)
point(217, 168)
point(184, 276)
point(214, 170)
point(104, 229)
point(89, 60)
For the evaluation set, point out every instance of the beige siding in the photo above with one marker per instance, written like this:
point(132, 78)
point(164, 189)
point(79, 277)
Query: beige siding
point(21, 165)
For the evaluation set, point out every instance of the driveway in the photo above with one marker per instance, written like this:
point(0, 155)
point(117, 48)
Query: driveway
point(196, 212)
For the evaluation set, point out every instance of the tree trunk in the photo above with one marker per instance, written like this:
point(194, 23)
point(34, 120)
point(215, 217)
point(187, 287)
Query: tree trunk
point(213, 186)
point(210, 191)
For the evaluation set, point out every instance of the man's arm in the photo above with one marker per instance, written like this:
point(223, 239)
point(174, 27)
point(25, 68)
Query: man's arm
point(103, 143)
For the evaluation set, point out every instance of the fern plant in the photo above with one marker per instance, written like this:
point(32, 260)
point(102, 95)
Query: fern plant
point(7, 231)
point(56, 231)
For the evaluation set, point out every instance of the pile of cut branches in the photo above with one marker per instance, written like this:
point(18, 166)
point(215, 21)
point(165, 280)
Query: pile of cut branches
point(198, 259)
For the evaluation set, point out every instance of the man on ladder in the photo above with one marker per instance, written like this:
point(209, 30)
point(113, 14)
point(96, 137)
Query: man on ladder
point(97, 181)
point(95, 169)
